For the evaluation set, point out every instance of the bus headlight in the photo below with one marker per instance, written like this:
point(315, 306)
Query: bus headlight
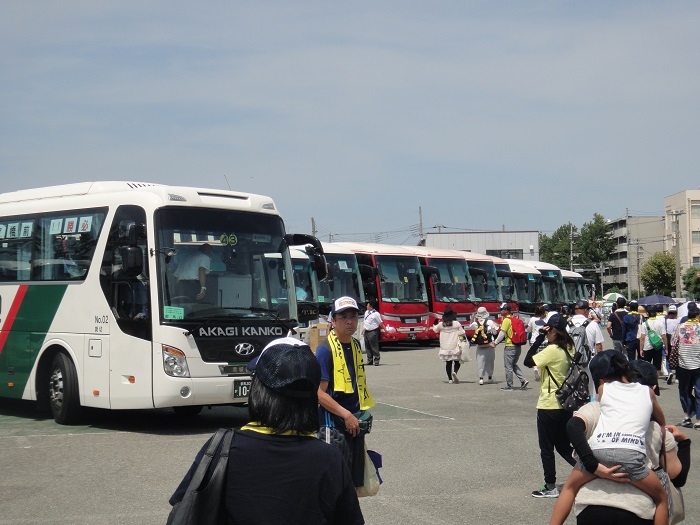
point(175, 362)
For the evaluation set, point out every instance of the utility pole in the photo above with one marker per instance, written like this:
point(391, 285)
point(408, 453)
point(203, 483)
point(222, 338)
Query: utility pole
point(676, 242)
point(571, 249)
point(627, 240)
point(421, 237)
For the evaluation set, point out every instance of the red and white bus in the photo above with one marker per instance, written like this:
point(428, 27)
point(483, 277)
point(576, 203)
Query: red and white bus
point(486, 290)
point(393, 278)
point(449, 283)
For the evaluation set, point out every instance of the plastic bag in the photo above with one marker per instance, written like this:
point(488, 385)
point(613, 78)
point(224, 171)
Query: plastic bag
point(370, 487)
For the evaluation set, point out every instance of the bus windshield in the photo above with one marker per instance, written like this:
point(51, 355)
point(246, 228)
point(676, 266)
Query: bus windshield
point(553, 286)
point(247, 258)
point(343, 279)
point(454, 284)
point(400, 279)
point(483, 275)
point(505, 282)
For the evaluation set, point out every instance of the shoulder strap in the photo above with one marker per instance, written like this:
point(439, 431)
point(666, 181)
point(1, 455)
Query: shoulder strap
point(618, 317)
point(222, 436)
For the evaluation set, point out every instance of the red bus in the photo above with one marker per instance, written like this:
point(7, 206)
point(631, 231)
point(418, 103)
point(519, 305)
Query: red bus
point(392, 276)
point(449, 283)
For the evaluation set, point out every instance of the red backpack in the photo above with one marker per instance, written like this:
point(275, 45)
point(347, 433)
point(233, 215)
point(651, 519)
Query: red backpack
point(519, 335)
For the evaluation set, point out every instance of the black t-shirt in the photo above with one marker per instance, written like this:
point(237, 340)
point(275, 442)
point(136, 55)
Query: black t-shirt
point(615, 319)
point(285, 480)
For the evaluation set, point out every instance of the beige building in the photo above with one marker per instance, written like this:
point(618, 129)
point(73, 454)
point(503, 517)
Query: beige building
point(637, 238)
point(683, 227)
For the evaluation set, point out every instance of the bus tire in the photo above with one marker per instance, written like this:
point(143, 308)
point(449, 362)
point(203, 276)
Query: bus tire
point(64, 397)
point(188, 411)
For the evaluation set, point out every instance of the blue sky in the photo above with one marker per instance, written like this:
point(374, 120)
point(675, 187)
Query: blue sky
point(523, 114)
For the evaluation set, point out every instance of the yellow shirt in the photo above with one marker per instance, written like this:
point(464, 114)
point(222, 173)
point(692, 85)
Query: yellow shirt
point(557, 365)
point(507, 327)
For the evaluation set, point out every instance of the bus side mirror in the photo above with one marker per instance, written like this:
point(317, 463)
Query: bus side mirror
point(367, 272)
point(318, 261)
point(431, 271)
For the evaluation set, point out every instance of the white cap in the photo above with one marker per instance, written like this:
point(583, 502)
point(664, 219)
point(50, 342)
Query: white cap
point(344, 303)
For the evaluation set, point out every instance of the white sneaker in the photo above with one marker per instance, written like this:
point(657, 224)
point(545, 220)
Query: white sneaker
point(455, 379)
point(537, 374)
point(481, 381)
point(450, 381)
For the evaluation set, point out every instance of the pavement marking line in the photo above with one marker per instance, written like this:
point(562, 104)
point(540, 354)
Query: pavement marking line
point(413, 410)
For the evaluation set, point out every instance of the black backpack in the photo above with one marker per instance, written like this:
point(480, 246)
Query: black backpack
point(481, 336)
point(573, 393)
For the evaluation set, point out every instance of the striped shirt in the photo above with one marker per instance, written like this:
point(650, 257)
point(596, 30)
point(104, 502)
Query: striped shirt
point(689, 344)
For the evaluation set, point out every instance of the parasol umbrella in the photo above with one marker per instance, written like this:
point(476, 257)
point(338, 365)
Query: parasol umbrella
point(656, 299)
point(612, 297)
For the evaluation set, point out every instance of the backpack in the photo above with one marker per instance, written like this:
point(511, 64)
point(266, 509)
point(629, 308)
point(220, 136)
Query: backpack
point(578, 334)
point(482, 336)
point(519, 334)
point(654, 339)
point(573, 393)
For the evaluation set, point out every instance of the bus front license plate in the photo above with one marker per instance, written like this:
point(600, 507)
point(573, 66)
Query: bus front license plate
point(411, 336)
point(241, 388)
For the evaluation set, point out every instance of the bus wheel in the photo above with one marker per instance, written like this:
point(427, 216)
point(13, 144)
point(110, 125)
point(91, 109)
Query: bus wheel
point(64, 397)
point(188, 411)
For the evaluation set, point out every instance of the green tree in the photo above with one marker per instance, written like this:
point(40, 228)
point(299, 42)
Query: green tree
point(658, 274)
point(691, 282)
point(595, 245)
point(557, 248)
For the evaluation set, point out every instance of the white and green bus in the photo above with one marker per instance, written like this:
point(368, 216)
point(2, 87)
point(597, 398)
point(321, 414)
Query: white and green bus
point(93, 312)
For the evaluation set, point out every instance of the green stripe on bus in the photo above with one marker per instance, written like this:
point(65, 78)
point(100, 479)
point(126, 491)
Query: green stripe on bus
point(27, 334)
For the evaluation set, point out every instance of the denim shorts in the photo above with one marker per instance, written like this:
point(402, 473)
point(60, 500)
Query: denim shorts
point(632, 462)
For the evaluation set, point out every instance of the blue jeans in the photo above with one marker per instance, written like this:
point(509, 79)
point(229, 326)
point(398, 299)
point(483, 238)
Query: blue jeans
point(511, 354)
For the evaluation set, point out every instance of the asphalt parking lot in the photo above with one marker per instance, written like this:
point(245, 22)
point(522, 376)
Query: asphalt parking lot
point(453, 453)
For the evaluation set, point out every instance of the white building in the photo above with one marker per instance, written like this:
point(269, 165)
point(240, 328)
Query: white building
point(505, 244)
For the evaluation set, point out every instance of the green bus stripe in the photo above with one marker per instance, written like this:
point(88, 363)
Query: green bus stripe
point(28, 332)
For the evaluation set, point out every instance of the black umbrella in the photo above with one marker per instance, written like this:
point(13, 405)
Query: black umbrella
point(656, 299)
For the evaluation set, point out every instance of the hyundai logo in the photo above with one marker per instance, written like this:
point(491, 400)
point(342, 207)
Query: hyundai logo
point(244, 349)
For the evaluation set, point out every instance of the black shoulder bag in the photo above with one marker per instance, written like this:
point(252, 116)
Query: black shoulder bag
point(203, 503)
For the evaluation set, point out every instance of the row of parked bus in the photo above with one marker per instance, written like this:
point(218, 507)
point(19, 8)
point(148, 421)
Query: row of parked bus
point(413, 285)
point(100, 306)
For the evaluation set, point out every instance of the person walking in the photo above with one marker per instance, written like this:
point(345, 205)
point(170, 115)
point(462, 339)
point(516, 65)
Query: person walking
point(630, 330)
point(593, 332)
point(670, 322)
point(485, 331)
point(534, 325)
point(278, 471)
point(646, 349)
point(450, 331)
point(511, 352)
point(371, 330)
point(343, 391)
point(554, 365)
point(687, 336)
point(615, 324)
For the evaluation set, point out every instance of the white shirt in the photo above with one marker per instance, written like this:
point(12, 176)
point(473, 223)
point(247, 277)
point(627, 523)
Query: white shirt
point(657, 324)
point(372, 320)
point(593, 331)
point(188, 269)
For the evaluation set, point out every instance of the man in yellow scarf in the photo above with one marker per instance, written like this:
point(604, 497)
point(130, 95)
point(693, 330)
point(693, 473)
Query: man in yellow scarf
point(343, 390)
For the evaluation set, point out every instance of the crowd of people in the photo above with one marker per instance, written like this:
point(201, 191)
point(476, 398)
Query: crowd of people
point(616, 443)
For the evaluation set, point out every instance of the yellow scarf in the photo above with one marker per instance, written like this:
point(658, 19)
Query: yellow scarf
point(342, 382)
point(256, 426)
